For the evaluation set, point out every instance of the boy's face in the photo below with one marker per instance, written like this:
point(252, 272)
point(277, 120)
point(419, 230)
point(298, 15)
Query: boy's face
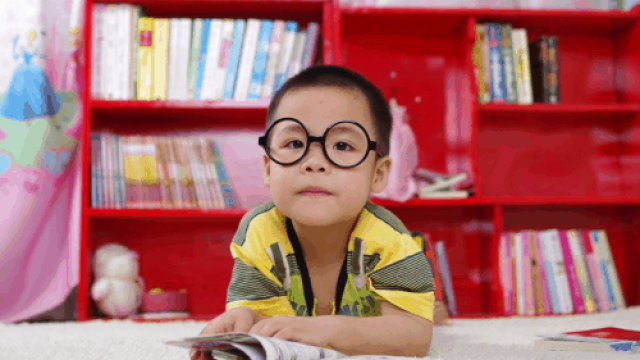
point(345, 190)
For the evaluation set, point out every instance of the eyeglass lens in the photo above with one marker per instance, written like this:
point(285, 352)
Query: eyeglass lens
point(345, 144)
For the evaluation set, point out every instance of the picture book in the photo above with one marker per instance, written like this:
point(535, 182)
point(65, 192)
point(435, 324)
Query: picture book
point(244, 346)
point(608, 339)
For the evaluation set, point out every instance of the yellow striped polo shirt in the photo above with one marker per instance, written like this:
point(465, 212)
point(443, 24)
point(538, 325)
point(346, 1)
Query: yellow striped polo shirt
point(383, 263)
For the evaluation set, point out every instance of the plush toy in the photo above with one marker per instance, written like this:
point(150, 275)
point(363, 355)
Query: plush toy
point(117, 289)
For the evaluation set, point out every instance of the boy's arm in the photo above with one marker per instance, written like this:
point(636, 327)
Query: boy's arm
point(396, 332)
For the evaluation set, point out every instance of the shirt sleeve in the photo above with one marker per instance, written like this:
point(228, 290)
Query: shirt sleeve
point(252, 284)
point(403, 277)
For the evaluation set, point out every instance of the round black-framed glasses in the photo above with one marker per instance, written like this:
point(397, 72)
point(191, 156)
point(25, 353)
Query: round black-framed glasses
point(345, 143)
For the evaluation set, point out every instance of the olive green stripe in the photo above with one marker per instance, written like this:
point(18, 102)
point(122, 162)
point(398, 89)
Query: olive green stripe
point(241, 234)
point(387, 216)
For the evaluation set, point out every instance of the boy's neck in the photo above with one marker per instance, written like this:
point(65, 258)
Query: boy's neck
point(325, 244)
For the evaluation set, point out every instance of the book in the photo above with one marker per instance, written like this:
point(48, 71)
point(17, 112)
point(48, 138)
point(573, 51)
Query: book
point(244, 346)
point(608, 339)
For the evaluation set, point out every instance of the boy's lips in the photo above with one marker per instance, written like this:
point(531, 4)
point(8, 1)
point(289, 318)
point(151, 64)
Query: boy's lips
point(314, 191)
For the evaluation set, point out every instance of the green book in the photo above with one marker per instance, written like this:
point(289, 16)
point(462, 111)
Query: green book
point(196, 39)
point(508, 65)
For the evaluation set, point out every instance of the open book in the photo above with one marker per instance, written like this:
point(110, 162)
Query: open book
point(243, 346)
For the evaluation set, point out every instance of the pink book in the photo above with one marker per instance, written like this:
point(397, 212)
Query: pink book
point(505, 274)
point(599, 286)
point(529, 300)
point(572, 276)
point(543, 275)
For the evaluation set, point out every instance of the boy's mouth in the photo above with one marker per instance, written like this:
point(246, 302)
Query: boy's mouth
point(314, 191)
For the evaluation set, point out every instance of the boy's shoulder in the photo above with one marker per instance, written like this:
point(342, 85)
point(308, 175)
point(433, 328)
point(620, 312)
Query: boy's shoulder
point(260, 216)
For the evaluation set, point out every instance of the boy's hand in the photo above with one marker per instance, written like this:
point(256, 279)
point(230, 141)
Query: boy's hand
point(235, 320)
point(316, 331)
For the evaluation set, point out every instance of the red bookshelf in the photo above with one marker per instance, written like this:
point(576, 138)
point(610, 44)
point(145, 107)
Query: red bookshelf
point(570, 165)
point(539, 166)
point(179, 249)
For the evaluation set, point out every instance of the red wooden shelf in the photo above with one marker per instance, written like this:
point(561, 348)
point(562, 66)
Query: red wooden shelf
point(172, 105)
point(563, 109)
point(229, 214)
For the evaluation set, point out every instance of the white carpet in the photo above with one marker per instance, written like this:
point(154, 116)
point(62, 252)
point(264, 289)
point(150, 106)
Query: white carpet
point(504, 338)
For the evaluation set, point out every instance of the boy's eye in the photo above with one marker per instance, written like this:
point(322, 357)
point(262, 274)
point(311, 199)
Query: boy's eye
point(342, 146)
point(294, 144)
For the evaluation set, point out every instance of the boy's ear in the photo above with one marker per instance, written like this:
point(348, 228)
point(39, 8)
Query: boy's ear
point(381, 172)
point(266, 175)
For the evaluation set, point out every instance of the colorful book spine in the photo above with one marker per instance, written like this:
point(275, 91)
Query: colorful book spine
point(553, 271)
point(498, 88)
point(529, 299)
point(599, 286)
point(223, 59)
point(96, 49)
point(260, 63)
point(296, 57)
point(310, 45)
point(116, 169)
point(535, 273)
point(539, 70)
point(520, 290)
point(213, 54)
point(213, 184)
point(172, 168)
point(522, 66)
point(508, 64)
point(95, 170)
point(234, 59)
point(137, 14)
point(145, 58)
point(553, 74)
point(202, 58)
point(505, 273)
point(291, 27)
point(272, 60)
point(194, 59)
point(443, 265)
point(581, 270)
point(574, 283)
point(123, 185)
point(160, 57)
point(483, 95)
point(543, 274)
point(225, 184)
point(605, 250)
point(247, 60)
point(604, 270)
point(174, 38)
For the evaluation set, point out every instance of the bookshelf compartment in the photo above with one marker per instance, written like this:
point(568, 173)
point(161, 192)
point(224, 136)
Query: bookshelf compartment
point(189, 253)
point(619, 221)
point(463, 230)
point(572, 156)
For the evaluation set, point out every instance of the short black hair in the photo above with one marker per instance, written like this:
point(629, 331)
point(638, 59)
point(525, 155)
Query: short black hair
point(337, 76)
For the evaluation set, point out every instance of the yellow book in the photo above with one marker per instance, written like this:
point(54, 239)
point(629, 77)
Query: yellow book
point(581, 270)
point(145, 58)
point(160, 58)
point(483, 94)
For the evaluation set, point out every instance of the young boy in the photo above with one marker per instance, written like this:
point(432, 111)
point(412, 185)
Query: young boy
point(320, 250)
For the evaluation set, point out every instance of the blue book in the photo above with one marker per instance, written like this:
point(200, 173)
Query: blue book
point(605, 274)
point(230, 201)
point(281, 75)
point(260, 63)
point(95, 150)
point(234, 59)
point(202, 61)
point(498, 85)
point(551, 285)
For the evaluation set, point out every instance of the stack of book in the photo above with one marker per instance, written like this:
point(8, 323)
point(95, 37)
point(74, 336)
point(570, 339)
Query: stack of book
point(135, 57)
point(151, 172)
point(441, 186)
point(509, 69)
point(558, 272)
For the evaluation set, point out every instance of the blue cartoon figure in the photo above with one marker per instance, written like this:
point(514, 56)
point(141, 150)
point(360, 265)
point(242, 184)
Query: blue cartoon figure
point(30, 94)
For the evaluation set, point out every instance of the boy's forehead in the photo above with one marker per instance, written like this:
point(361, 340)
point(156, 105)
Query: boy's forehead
point(319, 107)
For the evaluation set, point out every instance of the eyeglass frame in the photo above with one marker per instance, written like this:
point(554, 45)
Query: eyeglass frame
point(371, 145)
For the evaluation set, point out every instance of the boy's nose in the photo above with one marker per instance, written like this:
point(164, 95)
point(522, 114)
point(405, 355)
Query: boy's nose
point(314, 160)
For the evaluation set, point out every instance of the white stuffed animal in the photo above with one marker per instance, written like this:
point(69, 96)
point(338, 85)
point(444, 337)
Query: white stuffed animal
point(117, 289)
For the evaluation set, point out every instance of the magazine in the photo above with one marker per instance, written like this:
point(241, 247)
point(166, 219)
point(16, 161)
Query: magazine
point(243, 346)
